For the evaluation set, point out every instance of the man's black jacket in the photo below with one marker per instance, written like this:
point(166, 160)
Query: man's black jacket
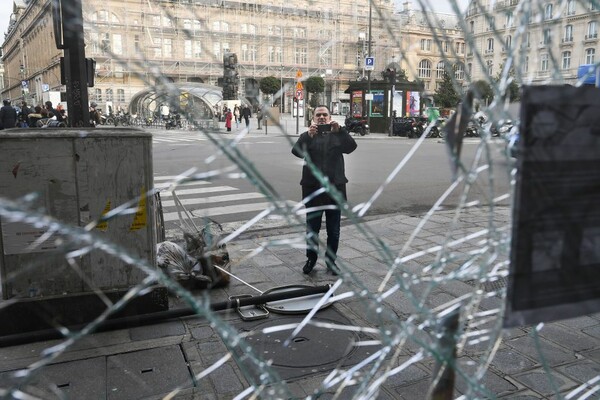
point(326, 151)
point(8, 117)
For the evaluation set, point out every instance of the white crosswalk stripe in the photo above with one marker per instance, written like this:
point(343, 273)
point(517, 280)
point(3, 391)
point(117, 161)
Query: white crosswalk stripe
point(177, 137)
point(206, 199)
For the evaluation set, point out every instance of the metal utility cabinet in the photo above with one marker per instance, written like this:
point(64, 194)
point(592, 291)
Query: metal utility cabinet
point(76, 176)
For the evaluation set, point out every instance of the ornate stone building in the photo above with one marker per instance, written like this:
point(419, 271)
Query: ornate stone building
point(548, 40)
point(136, 41)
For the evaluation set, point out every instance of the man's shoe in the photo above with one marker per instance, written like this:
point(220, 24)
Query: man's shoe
point(332, 268)
point(308, 267)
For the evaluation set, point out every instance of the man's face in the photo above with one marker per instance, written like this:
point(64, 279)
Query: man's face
point(321, 116)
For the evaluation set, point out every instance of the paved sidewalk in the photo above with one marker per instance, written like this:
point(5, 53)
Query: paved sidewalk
point(146, 362)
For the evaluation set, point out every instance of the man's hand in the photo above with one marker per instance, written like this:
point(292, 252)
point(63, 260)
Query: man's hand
point(335, 127)
point(312, 130)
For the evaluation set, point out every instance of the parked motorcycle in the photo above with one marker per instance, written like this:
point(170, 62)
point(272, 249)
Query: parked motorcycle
point(173, 122)
point(357, 126)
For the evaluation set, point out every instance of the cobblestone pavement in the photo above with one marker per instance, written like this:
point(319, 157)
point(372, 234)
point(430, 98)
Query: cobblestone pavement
point(149, 361)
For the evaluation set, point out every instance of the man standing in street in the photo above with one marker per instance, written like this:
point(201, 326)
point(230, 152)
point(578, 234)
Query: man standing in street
point(8, 116)
point(246, 113)
point(325, 143)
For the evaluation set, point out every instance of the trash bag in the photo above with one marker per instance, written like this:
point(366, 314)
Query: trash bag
point(204, 247)
point(176, 263)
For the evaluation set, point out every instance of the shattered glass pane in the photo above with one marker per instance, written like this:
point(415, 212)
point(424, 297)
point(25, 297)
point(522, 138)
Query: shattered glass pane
point(418, 306)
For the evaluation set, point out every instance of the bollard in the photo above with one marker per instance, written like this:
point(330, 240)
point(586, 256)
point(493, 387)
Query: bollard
point(443, 373)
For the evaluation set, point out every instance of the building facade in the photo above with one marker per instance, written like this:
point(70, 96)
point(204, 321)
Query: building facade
point(135, 42)
point(546, 41)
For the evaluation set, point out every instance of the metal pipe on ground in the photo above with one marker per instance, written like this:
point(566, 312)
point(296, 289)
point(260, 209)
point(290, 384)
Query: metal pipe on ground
point(147, 319)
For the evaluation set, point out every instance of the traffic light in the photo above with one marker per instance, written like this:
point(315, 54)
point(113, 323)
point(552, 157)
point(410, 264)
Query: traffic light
point(230, 77)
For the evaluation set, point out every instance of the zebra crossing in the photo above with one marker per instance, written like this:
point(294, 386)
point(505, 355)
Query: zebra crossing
point(205, 199)
point(177, 136)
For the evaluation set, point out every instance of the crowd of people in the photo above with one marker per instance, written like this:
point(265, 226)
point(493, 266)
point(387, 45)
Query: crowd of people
point(24, 116)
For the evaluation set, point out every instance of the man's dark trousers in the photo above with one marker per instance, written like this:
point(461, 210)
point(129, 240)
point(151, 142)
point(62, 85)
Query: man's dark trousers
point(313, 226)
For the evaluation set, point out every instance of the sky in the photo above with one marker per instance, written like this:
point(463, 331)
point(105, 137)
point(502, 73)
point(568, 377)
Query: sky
point(439, 6)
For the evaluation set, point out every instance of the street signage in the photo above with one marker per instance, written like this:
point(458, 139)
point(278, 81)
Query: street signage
point(299, 94)
point(45, 87)
point(24, 84)
point(369, 63)
point(368, 96)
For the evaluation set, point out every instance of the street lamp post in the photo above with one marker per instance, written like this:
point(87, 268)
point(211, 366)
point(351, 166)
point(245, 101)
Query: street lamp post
point(369, 71)
point(281, 98)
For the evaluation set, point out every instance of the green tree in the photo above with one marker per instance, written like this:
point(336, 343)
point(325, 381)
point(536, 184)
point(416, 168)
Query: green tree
point(483, 91)
point(314, 85)
point(270, 85)
point(445, 95)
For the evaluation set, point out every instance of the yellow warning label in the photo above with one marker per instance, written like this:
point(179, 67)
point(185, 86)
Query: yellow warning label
point(141, 215)
point(103, 225)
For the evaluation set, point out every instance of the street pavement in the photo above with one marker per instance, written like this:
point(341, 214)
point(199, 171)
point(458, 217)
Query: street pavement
point(150, 361)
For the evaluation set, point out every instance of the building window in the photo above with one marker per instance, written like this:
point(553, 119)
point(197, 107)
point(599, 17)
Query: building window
point(528, 39)
point(590, 55)
point(109, 95)
point(544, 62)
point(440, 69)
point(187, 49)
point(472, 24)
point(216, 26)
point(155, 20)
point(226, 48)
point(299, 32)
point(168, 48)
point(571, 7)
point(594, 5)
point(157, 47)
point(136, 44)
point(245, 53)
point(460, 48)
point(470, 69)
point(187, 24)
point(490, 46)
point(526, 65)
point(278, 54)
point(271, 54)
point(509, 19)
point(105, 44)
point(547, 36)
point(568, 33)
point(459, 72)
point(508, 43)
point(490, 67)
point(592, 30)
point(217, 50)
point(98, 94)
point(120, 95)
point(197, 49)
point(548, 12)
point(426, 44)
point(566, 60)
point(424, 69)
point(300, 55)
point(117, 44)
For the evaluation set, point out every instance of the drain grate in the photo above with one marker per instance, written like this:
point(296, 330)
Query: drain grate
point(490, 286)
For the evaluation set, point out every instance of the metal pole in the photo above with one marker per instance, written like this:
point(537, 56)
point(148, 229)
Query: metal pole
point(369, 71)
point(297, 116)
point(281, 98)
point(75, 65)
point(391, 132)
point(443, 372)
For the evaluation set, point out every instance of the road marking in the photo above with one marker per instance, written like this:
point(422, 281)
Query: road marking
point(214, 199)
point(222, 210)
point(180, 192)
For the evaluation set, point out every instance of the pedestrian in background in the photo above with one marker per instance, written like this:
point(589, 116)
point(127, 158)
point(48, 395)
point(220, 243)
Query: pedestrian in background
point(24, 115)
point(246, 113)
point(228, 118)
point(326, 149)
point(237, 115)
point(259, 116)
point(8, 115)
